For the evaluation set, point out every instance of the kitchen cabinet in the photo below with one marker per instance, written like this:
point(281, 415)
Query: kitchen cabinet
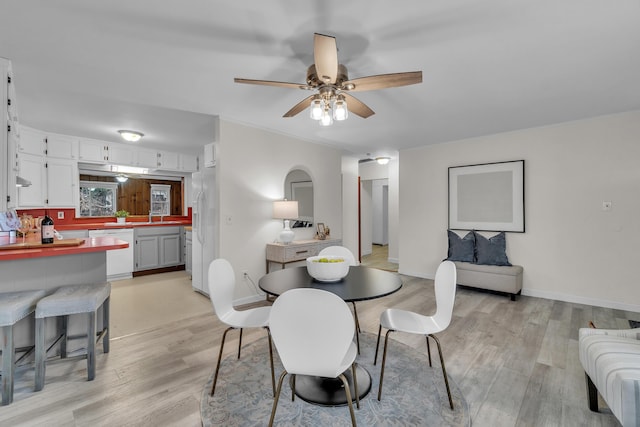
point(32, 167)
point(62, 183)
point(93, 151)
point(61, 147)
point(157, 247)
point(32, 141)
point(168, 160)
point(54, 182)
point(188, 163)
point(120, 154)
point(147, 158)
point(188, 251)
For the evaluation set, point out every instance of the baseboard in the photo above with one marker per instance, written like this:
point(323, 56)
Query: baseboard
point(596, 302)
point(250, 299)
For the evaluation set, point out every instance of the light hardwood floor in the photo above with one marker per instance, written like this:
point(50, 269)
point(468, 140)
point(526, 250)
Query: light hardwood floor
point(515, 362)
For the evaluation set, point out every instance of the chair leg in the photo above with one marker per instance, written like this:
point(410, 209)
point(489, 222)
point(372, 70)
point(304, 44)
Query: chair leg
point(105, 325)
point(384, 359)
point(355, 384)
point(348, 392)
point(273, 375)
point(276, 397)
point(240, 344)
point(64, 324)
point(375, 358)
point(444, 370)
point(355, 315)
point(429, 350)
point(8, 364)
point(91, 346)
point(293, 387)
point(41, 353)
point(592, 394)
point(215, 376)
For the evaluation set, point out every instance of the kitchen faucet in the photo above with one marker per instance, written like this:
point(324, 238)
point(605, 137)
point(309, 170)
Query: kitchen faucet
point(150, 217)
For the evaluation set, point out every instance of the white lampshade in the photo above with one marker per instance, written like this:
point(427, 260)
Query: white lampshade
point(316, 109)
point(340, 111)
point(286, 210)
point(326, 119)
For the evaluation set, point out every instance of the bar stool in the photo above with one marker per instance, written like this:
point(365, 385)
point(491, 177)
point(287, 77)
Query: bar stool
point(68, 300)
point(14, 306)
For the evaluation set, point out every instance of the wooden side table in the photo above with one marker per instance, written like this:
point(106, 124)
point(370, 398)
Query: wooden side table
point(298, 250)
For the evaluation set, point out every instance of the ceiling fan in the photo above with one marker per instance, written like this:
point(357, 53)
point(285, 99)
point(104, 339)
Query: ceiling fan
point(330, 80)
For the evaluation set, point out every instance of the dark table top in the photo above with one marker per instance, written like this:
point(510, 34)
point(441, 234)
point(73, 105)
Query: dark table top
point(362, 283)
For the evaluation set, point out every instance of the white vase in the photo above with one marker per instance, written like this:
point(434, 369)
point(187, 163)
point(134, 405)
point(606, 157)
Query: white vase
point(121, 220)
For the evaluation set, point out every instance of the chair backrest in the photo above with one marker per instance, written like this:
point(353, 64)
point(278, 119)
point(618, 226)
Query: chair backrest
point(445, 288)
point(340, 251)
point(312, 330)
point(222, 282)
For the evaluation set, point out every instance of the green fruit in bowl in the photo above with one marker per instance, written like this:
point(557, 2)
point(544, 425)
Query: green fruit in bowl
point(327, 260)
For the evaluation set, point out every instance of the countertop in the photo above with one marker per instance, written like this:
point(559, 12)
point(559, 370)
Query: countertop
point(91, 244)
point(113, 224)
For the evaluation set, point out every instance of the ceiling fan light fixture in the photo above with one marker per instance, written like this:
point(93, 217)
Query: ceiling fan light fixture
point(383, 160)
point(326, 119)
point(317, 108)
point(340, 111)
point(130, 135)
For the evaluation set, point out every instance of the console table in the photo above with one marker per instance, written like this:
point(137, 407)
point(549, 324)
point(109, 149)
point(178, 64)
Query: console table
point(298, 250)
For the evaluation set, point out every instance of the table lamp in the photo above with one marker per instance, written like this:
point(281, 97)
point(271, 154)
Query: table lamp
point(285, 210)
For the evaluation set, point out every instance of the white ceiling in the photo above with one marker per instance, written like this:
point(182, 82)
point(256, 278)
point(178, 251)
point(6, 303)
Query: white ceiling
point(90, 67)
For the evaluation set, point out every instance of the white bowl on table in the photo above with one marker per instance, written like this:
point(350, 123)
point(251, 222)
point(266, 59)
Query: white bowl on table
point(333, 270)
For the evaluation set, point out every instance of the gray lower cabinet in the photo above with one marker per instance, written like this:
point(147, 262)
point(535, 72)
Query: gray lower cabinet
point(157, 247)
point(188, 251)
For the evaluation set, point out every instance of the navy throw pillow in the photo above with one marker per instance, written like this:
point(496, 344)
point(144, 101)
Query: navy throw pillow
point(461, 249)
point(491, 251)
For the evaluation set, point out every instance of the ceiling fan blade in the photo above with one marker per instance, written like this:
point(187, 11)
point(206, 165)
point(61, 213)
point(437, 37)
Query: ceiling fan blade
point(272, 83)
point(383, 81)
point(357, 107)
point(300, 106)
point(325, 55)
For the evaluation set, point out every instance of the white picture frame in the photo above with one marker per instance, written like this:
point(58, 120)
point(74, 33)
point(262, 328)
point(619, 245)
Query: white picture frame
point(487, 197)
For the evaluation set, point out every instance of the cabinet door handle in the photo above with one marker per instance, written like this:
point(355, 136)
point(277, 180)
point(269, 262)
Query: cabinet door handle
point(301, 252)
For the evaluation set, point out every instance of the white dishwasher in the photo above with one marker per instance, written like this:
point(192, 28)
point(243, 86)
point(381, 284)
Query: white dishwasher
point(119, 261)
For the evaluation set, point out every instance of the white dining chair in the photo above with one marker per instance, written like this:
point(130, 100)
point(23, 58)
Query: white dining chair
point(396, 320)
point(345, 253)
point(221, 288)
point(310, 342)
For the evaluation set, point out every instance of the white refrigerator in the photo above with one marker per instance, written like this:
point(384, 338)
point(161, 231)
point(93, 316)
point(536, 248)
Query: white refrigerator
point(205, 214)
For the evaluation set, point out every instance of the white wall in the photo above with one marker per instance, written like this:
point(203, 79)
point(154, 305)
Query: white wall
point(350, 204)
point(380, 208)
point(252, 167)
point(366, 216)
point(572, 250)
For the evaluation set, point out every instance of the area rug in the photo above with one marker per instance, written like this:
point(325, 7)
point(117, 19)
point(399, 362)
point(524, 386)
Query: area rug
point(413, 393)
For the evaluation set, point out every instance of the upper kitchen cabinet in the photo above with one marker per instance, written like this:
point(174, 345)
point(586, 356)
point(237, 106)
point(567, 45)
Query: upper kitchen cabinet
point(168, 160)
point(32, 141)
point(32, 167)
point(147, 158)
point(62, 183)
point(120, 154)
point(61, 147)
point(188, 163)
point(93, 151)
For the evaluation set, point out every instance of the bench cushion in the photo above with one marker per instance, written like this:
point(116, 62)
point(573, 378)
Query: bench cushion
point(492, 277)
point(15, 306)
point(73, 299)
point(611, 358)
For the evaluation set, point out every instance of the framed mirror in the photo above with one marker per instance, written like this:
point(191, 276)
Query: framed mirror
point(299, 186)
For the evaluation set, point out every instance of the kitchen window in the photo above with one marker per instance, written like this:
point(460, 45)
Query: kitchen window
point(160, 199)
point(98, 198)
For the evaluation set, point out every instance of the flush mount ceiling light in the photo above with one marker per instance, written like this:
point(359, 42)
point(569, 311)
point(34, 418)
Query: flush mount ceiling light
point(130, 135)
point(383, 160)
point(330, 80)
point(122, 178)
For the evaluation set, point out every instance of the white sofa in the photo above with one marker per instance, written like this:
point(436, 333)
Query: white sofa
point(498, 278)
point(611, 362)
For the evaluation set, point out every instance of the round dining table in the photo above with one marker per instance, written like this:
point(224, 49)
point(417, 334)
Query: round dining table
point(360, 284)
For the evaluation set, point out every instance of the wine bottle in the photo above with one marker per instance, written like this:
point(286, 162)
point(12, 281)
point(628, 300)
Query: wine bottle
point(47, 229)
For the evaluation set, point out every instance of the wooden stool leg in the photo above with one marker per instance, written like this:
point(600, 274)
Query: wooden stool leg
point(91, 347)
point(41, 353)
point(8, 364)
point(105, 325)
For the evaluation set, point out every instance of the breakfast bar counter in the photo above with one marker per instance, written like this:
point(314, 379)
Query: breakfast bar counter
point(50, 266)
